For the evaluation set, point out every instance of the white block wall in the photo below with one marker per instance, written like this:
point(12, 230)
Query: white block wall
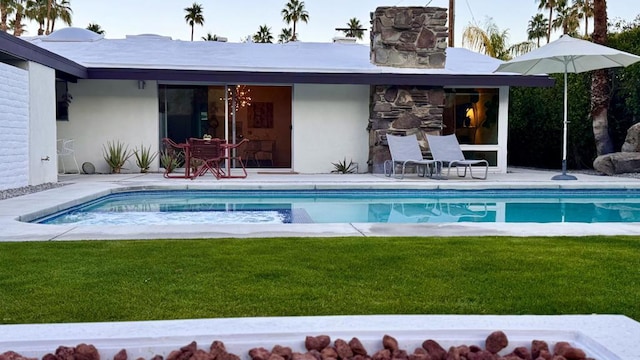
point(14, 127)
point(329, 125)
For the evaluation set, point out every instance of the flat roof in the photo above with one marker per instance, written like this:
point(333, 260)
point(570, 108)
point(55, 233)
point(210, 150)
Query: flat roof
point(153, 57)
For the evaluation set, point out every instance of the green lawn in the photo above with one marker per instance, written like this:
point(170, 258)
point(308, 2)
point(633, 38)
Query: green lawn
point(176, 279)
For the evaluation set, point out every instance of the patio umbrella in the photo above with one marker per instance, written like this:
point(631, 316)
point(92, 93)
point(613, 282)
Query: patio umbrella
point(567, 55)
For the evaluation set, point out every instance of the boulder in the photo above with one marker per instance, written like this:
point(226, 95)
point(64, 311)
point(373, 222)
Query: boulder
point(617, 163)
point(632, 141)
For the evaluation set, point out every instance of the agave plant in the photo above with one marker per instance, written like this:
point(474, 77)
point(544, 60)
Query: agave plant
point(116, 155)
point(344, 167)
point(144, 157)
point(169, 160)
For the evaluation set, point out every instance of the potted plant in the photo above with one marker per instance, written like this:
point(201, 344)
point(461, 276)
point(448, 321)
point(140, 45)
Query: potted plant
point(169, 161)
point(116, 155)
point(144, 157)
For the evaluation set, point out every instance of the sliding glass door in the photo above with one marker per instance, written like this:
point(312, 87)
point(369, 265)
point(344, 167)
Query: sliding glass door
point(233, 112)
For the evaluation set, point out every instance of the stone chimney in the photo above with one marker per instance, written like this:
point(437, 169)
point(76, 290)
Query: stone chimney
point(413, 37)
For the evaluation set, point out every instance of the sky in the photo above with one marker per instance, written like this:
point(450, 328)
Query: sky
point(235, 19)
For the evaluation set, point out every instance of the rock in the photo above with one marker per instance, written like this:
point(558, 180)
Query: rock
point(65, 353)
point(329, 353)
point(383, 354)
point(259, 353)
point(86, 352)
point(537, 346)
point(201, 355)
point(217, 348)
point(343, 349)
point(121, 355)
point(632, 141)
point(302, 356)
point(617, 163)
point(496, 341)
point(12, 355)
point(434, 349)
point(357, 347)
point(399, 355)
point(316, 342)
point(390, 343)
point(283, 351)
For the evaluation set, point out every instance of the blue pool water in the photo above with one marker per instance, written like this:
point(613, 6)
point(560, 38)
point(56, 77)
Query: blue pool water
point(353, 206)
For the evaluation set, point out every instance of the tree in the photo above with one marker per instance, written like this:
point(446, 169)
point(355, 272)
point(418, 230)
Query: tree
point(61, 10)
point(210, 37)
point(354, 29)
point(18, 26)
point(285, 35)
point(36, 10)
point(548, 4)
point(95, 28)
point(263, 35)
point(600, 84)
point(12, 26)
point(537, 28)
point(584, 9)
point(7, 7)
point(293, 12)
point(493, 42)
point(567, 19)
point(194, 16)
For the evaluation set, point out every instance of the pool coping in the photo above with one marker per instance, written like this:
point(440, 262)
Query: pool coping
point(81, 188)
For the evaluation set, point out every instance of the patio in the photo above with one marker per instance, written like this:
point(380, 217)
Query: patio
point(80, 188)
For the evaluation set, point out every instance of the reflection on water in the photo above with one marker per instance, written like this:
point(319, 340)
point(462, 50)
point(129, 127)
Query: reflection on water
point(242, 207)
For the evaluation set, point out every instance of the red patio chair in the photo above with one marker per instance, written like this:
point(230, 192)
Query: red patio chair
point(209, 154)
point(173, 156)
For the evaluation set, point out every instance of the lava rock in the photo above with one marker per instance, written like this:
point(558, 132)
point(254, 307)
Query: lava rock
point(496, 341)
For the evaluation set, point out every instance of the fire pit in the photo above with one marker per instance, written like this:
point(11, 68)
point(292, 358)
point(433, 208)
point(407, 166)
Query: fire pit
point(602, 337)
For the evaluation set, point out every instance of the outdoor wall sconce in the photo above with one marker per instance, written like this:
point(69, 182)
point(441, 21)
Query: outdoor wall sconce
point(141, 84)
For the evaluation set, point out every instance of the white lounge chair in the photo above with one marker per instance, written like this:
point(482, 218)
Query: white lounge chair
point(405, 150)
point(446, 149)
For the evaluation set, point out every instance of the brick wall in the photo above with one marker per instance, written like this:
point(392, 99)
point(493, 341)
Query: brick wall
point(14, 127)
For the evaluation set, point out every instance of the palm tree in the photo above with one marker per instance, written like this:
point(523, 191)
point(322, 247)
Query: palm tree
point(263, 35)
point(292, 13)
point(566, 19)
point(493, 42)
point(12, 26)
point(18, 26)
point(585, 10)
point(210, 37)
point(61, 10)
point(548, 4)
point(37, 10)
point(194, 16)
point(7, 7)
point(600, 96)
point(285, 35)
point(354, 29)
point(95, 28)
point(537, 28)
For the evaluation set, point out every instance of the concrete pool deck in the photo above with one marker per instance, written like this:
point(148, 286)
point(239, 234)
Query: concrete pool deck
point(80, 188)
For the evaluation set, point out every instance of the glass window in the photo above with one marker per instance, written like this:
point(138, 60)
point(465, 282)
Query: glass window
point(472, 114)
point(63, 99)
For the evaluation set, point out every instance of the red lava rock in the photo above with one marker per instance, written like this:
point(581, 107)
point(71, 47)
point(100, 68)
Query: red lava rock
point(560, 347)
point(302, 356)
point(120, 355)
point(390, 343)
point(343, 349)
point(360, 357)
point(357, 347)
point(574, 354)
point(217, 348)
point(522, 352)
point(464, 350)
point(275, 357)
point(544, 355)
point(383, 354)
point(157, 357)
point(12, 355)
point(475, 348)
point(259, 353)
point(49, 357)
point(537, 346)
point(496, 341)
point(283, 351)
point(316, 354)
point(86, 352)
point(558, 357)
point(191, 347)
point(174, 355)
point(400, 355)
point(312, 343)
point(420, 356)
point(328, 353)
point(434, 349)
point(481, 355)
point(202, 355)
point(453, 353)
point(65, 353)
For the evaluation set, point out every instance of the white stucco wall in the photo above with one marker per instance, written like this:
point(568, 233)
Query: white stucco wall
point(111, 110)
point(42, 125)
point(14, 126)
point(329, 124)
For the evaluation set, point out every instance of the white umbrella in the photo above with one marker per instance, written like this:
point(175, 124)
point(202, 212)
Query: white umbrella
point(567, 55)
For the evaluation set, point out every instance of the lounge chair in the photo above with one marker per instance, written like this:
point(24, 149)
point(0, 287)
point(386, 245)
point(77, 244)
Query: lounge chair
point(446, 149)
point(405, 150)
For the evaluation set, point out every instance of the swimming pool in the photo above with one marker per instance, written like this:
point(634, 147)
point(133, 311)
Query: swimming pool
point(168, 207)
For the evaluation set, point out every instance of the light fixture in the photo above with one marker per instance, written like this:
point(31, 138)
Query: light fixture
point(141, 84)
point(242, 97)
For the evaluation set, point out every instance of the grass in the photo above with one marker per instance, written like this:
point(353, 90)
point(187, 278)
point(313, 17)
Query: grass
point(176, 279)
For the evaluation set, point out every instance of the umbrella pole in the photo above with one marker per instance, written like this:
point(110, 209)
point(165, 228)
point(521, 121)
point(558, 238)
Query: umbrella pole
point(564, 175)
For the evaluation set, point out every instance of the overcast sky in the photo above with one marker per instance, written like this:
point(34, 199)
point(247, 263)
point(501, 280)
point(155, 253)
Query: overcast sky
point(235, 19)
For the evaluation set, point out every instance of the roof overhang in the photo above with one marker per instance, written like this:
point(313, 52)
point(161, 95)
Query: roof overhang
point(13, 48)
point(275, 77)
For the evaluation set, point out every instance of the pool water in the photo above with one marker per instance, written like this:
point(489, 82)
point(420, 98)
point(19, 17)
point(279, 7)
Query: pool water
point(353, 206)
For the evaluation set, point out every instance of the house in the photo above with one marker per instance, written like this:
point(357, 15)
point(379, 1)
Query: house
point(303, 105)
